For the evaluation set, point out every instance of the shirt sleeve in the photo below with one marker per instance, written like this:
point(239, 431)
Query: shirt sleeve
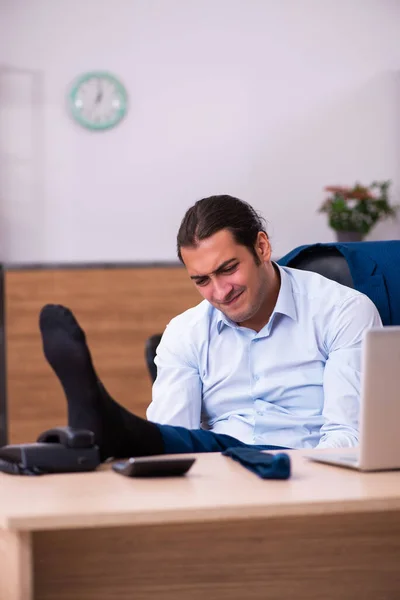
point(177, 390)
point(342, 374)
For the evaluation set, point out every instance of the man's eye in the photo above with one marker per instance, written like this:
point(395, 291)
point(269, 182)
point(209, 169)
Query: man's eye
point(201, 282)
point(230, 269)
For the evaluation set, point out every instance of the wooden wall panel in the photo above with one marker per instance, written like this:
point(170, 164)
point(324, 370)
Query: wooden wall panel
point(117, 307)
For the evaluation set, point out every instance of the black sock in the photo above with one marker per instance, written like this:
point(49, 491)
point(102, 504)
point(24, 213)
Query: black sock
point(117, 432)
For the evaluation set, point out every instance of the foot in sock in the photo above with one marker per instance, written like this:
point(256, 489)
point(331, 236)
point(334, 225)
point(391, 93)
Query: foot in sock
point(117, 432)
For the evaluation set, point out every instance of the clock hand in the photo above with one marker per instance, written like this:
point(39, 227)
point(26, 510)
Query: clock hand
point(99, 93)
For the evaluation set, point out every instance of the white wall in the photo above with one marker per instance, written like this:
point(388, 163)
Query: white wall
point(267, 100)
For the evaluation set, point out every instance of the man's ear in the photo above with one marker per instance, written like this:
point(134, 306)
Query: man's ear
point(263, 247)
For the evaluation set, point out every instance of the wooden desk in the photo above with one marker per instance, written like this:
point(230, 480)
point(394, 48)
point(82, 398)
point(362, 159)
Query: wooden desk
point(218, 533)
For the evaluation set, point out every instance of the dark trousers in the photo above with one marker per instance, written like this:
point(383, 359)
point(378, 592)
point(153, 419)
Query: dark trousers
point(178, 440)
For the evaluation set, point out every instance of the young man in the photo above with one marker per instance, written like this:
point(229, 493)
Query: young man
point(270, 358)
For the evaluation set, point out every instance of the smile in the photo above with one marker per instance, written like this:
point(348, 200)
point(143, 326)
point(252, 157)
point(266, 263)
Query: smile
point(231, 302)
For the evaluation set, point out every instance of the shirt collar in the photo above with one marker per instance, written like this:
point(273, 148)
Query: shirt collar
point(285, 304)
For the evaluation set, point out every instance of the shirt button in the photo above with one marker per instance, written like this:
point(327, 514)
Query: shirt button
point(260, 413)
point(256, 377)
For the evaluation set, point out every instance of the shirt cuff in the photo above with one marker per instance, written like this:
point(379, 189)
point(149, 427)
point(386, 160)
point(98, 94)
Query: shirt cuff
point(338, 440)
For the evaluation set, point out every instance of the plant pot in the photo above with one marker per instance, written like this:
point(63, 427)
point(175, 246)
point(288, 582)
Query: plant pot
point(349, 236)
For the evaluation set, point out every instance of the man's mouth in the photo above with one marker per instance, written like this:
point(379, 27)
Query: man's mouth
point(233, 300)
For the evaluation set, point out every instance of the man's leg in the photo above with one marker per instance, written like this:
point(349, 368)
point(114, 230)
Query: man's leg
point(117, 432)
point(178, 440)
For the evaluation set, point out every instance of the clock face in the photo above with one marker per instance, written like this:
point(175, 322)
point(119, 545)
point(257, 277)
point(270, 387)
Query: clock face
point(98, 100)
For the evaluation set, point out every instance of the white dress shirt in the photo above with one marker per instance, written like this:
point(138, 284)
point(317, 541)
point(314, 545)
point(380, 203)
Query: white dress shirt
point(295, 383)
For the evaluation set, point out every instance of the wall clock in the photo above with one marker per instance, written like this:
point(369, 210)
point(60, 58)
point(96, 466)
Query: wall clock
point(98, 100)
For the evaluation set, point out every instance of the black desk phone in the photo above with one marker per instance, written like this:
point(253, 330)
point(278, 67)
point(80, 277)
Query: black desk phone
point(57, 450)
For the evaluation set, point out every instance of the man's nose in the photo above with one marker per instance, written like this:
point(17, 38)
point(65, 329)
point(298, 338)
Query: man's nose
point(221, 290)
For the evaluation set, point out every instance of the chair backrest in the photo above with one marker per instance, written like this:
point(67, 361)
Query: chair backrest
point(327, 261)
point(372, 269)
point(150, 354)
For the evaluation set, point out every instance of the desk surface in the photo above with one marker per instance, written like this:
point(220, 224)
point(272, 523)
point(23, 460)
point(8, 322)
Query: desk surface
point(215, 488)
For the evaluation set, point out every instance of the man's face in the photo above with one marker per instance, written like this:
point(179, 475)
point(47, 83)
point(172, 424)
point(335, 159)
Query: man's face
point(226, 274)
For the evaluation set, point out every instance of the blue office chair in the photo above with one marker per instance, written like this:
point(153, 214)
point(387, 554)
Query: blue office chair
point(326, 261)
point(370, 267)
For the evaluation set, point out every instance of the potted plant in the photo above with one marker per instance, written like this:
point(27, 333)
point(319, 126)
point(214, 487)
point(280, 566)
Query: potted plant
point(353, 211)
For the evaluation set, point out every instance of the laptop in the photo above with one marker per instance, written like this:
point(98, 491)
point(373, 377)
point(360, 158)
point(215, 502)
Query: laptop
point(379, 447)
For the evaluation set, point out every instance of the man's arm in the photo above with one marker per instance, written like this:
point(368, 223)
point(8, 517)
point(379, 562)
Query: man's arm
point(177, 391)
point(342, 375)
